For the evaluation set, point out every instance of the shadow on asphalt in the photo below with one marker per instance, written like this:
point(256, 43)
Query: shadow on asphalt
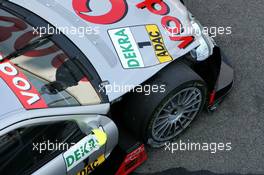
point(183, 171)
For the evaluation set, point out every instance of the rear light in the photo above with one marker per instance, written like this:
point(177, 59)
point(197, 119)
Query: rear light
point(132, 161)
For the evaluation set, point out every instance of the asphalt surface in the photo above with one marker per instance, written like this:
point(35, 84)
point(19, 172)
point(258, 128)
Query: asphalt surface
point(240, 118)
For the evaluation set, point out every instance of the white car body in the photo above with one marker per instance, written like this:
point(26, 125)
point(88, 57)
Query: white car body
point(101, 49)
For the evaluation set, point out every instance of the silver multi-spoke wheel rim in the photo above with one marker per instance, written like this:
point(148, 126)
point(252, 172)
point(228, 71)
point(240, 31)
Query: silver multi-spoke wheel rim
point(176, 114)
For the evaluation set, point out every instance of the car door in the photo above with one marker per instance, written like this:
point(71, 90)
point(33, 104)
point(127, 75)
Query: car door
point(74, 144)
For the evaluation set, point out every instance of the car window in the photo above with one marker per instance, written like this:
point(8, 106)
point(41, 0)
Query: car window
point(25, 150)
point(59, 79)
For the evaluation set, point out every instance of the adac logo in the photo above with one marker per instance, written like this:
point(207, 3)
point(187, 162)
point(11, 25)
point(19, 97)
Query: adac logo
point(92, 166)
point(117, 12)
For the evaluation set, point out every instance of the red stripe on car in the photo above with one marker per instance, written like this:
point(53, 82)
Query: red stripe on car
point(21, 87)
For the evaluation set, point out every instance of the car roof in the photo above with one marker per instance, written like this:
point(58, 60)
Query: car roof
point(100, 49)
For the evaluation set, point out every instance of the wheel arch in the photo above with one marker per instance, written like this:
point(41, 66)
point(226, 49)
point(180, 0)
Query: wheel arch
point(173, 75)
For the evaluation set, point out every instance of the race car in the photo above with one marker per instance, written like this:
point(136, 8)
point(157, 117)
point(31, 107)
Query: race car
point(86, 83)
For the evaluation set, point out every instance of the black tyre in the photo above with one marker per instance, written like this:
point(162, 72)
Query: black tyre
point(161, 117)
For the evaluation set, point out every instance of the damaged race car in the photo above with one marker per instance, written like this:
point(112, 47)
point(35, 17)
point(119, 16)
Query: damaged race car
point(84, 85)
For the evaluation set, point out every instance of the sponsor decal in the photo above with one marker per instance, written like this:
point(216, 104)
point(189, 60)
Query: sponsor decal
point(100, 135)
point(20, 85)
point(91, 167)
point(158, 44)
point(167, 20)
point(150, 5)
point(117, 12)
point(139, 46)
point(126, 47)
point(84, 148)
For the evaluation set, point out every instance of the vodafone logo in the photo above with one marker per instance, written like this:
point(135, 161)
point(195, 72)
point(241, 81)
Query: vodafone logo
point(117, 12)
point(20, 85)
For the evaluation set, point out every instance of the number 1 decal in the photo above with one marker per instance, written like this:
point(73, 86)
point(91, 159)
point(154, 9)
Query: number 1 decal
point(117, 12)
